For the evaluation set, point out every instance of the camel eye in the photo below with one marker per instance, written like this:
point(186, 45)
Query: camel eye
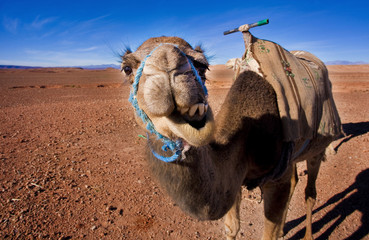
point(127, 70)
point(201, 68)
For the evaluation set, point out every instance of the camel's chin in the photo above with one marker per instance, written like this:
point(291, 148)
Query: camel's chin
point(194, 133)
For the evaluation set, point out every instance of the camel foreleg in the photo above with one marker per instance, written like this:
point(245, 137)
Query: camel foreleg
point(276, 199)
point(232, 218)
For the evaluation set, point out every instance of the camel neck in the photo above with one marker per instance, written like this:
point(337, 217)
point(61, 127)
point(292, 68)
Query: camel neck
point(202, 184)
point(207, 181)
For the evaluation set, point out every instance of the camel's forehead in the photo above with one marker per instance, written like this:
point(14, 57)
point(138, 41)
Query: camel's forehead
point(153, 42)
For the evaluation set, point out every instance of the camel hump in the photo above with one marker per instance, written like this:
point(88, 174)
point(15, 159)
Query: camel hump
point(302, 86)
point(313, 60)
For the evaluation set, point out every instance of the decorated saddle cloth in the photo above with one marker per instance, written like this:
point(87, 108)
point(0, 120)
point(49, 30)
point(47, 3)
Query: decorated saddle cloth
point(302, 86)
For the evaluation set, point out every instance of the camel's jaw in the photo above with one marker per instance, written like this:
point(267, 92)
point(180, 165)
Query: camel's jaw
point(197, 130)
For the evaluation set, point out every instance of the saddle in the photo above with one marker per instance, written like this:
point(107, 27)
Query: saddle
point(302, 86)
point(304, 97)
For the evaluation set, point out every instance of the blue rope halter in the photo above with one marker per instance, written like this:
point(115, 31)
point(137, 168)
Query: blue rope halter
point(174, 146)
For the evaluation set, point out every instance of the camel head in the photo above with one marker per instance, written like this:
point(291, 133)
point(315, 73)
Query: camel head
point(168, 78)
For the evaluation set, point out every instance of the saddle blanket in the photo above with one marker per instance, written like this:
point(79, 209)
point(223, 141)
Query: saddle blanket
point(302, 86)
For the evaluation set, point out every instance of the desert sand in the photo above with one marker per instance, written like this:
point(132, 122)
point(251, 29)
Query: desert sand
point(72, 163)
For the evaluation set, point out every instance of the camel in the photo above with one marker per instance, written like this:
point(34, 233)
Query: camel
point(203, 161)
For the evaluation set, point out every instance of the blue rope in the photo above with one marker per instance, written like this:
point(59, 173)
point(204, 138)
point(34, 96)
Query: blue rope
point(175, 147)
point(197, 76)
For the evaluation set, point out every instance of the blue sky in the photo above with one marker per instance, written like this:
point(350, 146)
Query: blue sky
point(70, 33)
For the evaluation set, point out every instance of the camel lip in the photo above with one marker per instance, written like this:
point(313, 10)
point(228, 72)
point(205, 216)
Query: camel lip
point(198, 134)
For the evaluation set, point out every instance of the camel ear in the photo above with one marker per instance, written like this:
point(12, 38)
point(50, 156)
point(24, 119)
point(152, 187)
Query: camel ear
point(129, 59)
point(126, 52)
point(199, 49)
point(197, 55)
point(199, 60)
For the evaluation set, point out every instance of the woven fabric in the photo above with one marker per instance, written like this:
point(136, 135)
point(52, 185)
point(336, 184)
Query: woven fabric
point(302, 86)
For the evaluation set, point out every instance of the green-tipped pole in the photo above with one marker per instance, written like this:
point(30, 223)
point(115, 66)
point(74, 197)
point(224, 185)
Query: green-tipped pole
point(260, 23)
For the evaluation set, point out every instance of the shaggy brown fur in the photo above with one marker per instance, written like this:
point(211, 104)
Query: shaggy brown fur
point(205, 184)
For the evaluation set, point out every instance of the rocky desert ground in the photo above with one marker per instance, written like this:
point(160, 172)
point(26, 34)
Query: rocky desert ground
point(72, 163)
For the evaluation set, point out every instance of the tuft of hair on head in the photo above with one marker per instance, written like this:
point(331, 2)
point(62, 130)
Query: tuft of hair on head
point(126, 51)
point(199, 49)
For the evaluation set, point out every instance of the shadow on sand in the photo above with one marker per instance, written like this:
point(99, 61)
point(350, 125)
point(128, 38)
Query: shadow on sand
point(358, 200)
point(353, 130)
point(354, 198)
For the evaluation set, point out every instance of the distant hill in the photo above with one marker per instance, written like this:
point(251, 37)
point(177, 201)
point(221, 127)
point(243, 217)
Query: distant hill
point(342, 62)
point(15, 67)
point(94, 67)
point(101, 66)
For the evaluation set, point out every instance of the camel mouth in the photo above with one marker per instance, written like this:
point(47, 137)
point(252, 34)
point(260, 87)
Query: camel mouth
point(195, 115)
point(195, 124)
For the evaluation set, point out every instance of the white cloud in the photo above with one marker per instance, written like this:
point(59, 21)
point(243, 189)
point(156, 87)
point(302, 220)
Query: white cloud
point(87, 26)
point(319, 44)
point(87, 49)
point(38, 23)
point(11, 25)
